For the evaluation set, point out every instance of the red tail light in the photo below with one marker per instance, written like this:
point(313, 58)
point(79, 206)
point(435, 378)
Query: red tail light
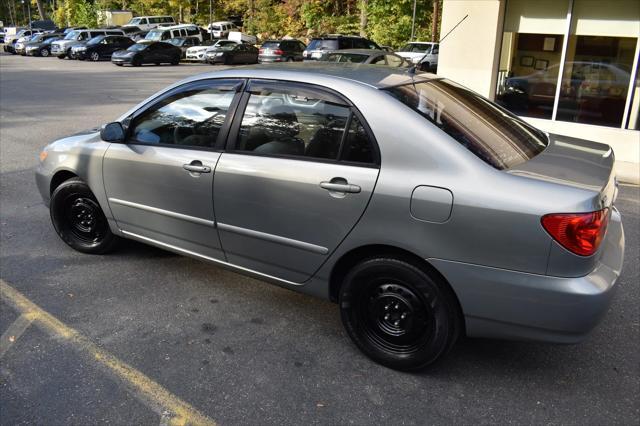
point(580, 233)
point(278, 52)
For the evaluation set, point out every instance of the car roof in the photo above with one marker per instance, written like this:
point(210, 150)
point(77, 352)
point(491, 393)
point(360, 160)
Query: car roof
point(375, 76)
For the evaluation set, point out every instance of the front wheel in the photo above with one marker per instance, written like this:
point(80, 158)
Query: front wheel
point(44, 52)
point(95, 56)
point(399, 314)
point(79, 220)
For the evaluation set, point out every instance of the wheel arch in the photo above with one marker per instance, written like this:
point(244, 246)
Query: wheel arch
point(59, 177)
point(356, 255)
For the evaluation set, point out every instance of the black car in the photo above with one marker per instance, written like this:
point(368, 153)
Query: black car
point(281, 51)
point(41, 46)
point(233, 54)
point(319, 46)
point(148, 52)
point(184, 43)
point(103, 47)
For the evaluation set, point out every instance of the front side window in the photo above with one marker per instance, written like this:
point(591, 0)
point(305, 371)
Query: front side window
point(494, 135)
point(292, 123)
point(191, 118)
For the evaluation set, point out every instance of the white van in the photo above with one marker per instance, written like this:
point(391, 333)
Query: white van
point(221, 29)
point(147, 23)
point(167, 33)
point(420, 53)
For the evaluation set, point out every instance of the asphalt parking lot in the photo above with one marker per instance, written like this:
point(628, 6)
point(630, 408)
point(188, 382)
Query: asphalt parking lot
point(144, 336)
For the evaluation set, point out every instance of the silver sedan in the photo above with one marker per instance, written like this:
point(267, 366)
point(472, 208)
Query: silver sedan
point(425, 210)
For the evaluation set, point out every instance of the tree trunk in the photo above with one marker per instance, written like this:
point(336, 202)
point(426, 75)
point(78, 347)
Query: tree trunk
point(363, 17)
point(41, 10)
point(434, 20)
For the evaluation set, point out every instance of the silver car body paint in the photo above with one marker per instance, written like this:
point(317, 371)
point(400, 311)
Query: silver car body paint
point(477, 226)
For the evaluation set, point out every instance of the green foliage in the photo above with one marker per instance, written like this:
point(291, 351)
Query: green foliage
point(388, 21)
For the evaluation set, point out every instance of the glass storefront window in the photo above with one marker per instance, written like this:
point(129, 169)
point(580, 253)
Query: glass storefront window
point(598, 64)
point(528, 86)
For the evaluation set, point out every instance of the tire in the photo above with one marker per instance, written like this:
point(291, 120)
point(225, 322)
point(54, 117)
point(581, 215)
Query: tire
point(44, 53)
point(289, 59)
point(135, 62)
point(95, 56)
point(398, 314)
point(61, 56)
point(79, 220)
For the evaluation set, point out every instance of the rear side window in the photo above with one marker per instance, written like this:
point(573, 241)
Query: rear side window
point(290, 124)
point(357, 146)
point(492, 133)
point(345, 43)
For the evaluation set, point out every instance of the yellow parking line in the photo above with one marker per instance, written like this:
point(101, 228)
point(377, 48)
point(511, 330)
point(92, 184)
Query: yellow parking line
point(164, 403)
point(14, 332)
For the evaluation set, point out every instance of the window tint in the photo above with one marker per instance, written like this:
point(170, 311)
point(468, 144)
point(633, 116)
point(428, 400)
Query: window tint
point(271, 45)
point(359, 43)
point(357, 147)
point(378, 60)
point(193, 31)
point(319, 44)
point(189, 118)
point(345, 43)
point(155, 20)
point(289, 124)
point(435, 49)
point(493, 134)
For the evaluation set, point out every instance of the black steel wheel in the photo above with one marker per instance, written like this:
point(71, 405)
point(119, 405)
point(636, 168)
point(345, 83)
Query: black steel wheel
point(78, 218)
point(399, 314)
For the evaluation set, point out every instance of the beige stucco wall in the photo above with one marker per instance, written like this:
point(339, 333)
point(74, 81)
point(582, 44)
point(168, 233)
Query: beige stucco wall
point(470, 54)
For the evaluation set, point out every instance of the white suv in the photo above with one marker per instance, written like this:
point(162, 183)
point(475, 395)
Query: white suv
point(424, 54)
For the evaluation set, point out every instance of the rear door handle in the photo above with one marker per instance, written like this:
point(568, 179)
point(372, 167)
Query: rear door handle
point(340, 187)
point(196, 167)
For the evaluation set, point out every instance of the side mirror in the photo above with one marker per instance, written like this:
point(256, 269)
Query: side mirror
point(112, 132)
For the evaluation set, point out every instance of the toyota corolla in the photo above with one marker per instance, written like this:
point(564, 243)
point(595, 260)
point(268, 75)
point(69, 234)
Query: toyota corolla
point(425, 210)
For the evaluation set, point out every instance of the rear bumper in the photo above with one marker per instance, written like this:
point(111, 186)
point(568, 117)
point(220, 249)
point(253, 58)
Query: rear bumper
point(500, 303)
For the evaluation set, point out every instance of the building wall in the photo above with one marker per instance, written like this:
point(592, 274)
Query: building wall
point(469, 54)
point(472, 55)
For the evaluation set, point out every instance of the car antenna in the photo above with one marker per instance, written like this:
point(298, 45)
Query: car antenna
point(412, 70)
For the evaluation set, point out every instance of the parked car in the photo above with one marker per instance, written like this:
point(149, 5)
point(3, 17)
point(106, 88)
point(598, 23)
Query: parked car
point(423, 54)
point(184, 43)
point(229, 54)
point(221, 29)
point(37, 41)
point(167, 33)
point(102, 47)
point(197, 53)
point(281, 51)
point(2, 34)
point(22, 35)
point(148, 52)
point(130, 29)
point(366, 56)
point(425, 210)
point(62, 48)
point(42, 47)
point(19, 45)
point(150, 22)
point(319, 46)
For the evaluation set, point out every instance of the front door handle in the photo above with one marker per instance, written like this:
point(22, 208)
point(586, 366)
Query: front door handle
point(196, 167)
point(340, 187)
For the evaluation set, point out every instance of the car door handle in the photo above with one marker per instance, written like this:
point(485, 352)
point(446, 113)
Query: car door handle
point(340, 187)
point(196, 167)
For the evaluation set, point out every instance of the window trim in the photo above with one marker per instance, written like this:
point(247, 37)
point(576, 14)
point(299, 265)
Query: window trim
point(234, 129)
point(219, 143)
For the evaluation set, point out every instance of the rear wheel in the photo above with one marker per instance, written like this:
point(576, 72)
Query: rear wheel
point(135, 62)
point(398, 314)
point(79, 220)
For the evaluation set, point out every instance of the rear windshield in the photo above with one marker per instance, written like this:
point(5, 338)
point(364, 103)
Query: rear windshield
point(416, 48)
point(319, 44)
point(492, 133)
point(270, 45)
